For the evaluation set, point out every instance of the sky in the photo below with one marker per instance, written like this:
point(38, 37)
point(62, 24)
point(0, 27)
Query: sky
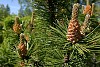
point(13, 4)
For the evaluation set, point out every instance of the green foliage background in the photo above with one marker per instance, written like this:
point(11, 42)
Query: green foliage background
point(48, 44)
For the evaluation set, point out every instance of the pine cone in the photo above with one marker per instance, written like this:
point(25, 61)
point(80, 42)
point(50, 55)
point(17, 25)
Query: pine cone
point(87, 10)
point(16, 26)
point(85, 24)
point(22, 50)
point(30, 26)
point(75, 11)
point(73, 34)
point(21, 47)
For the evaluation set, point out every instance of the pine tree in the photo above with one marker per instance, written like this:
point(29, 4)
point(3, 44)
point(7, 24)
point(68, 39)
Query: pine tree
point(42, 45)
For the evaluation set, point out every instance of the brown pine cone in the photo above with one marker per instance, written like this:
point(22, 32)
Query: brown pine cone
point(85, 24)
point(87, 10)
point(17, 28)
point(75, 11)
point(22, 50)
point(73, 33)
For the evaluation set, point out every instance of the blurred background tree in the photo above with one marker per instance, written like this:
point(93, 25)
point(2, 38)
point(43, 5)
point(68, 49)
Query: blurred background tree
point(51, 10)
point(4, 11)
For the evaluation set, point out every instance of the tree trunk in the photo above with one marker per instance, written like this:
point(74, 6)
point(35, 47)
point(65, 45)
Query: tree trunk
point(51, 11)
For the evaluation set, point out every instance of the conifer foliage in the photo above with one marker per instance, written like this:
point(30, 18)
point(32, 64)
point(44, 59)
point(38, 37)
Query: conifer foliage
point(32, 41)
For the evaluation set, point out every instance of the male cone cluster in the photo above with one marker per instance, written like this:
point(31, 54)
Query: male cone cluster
point(85, 24)
point(22, 47)
point(17, 26)
point(73, 33)
point(88, 9)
